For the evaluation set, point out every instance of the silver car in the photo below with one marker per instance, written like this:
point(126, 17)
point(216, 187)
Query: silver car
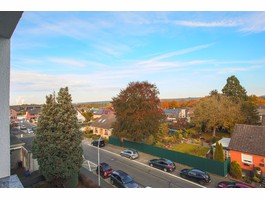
point(130, 153)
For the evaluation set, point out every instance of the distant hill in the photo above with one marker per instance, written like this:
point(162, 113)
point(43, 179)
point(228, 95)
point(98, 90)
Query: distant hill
point(94, 102)
point(169, 99)
point(179, 99)
point(263, 96)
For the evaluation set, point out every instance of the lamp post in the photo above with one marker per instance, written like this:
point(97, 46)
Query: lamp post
point(99, 163)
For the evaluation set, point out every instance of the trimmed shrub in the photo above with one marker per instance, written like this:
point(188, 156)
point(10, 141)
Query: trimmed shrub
point(235, 170)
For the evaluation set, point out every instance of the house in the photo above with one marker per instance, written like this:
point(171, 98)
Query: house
point(13, 115)
point(103, 125)
point(32, 113)
point(100, 112)
point(80, 117)
point(261, 112)
point(247, 146)
point(225, 143)
point(21, 154)
point(174, 114)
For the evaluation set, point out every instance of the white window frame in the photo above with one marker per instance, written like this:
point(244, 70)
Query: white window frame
point(248, 159)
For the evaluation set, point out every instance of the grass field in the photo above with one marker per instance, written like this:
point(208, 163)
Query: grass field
point(191, 149)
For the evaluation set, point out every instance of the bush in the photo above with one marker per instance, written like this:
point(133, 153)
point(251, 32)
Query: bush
point(159, 144)
point(168, 140)
point(256, 179)
point(235, 170)
point(180, 136)
point(95, 137)
point(247, 179)
point(214, 139)
point(150, 140)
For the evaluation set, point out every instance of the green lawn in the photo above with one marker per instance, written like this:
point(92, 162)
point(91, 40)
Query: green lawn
point(191, 149)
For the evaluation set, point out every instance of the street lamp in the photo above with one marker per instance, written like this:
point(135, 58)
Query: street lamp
point(99, 163)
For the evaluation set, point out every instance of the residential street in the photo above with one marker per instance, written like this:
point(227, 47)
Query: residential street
point(139, 170)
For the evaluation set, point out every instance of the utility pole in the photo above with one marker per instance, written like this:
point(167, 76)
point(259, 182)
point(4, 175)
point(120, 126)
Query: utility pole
point(99, 163)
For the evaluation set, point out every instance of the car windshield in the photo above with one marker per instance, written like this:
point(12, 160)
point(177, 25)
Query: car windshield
point(126, 179)
point(106, 167)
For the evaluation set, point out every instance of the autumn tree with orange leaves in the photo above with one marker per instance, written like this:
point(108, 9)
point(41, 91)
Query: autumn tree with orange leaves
point(138, 112)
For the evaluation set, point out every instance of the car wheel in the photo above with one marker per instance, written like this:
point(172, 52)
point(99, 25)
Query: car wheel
point(183, 176)
point(201, 182)
point(165, 169)
point(130, 157)
point(151, 165)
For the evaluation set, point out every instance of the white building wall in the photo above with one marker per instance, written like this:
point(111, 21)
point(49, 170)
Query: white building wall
point(4, 107)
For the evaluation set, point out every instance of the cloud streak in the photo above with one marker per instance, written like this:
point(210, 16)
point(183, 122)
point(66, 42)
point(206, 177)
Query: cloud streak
point(206, 24)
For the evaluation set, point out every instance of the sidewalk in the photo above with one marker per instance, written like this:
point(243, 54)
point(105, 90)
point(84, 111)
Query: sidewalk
point(144, 158)
point(93, 177)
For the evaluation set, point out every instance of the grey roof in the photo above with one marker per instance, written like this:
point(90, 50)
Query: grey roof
point(224, 141)
point(248, 139)
point(15, 142)
point(34, 111)
point(105, 121)
point(28, 142)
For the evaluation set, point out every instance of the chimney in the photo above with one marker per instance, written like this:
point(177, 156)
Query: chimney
point(263, 120)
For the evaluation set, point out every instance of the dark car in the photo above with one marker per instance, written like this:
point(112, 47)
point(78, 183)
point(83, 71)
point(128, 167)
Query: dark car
point(130, 153)
point(123, 180)
point(163, 164)
point(227, 184)
point(23, 127)
point(100, 142)
point(105, 170)
point(196, 175)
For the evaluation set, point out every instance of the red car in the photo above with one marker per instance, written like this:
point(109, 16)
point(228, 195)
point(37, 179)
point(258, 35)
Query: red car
point(105, 170)
point(227, 184)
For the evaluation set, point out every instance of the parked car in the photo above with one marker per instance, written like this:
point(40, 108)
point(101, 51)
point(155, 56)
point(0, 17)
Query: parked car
point(130, 153)
point(23, 127)
point(227, 184)
point(29, 130)
point(123, 180)
point(196, 175)
point(105, 170)
point(163, 164)
point(100, 142)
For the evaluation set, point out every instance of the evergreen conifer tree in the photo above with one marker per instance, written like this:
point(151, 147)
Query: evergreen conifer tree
point(57, 145)
point(219, 152)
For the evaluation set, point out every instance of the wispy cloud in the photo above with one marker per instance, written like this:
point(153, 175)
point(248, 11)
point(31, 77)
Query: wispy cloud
point(249, 22)
point(115, 50)
point(254, 23)
point(69, 62)
point(238, 69)
point(206, 24)
point(154, 60)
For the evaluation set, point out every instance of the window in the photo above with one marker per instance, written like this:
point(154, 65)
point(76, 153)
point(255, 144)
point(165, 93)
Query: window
point(247, 158)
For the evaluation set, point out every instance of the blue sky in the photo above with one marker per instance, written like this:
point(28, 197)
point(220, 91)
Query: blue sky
point(96, 54)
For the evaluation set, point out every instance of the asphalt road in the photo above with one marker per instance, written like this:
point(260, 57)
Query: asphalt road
point(143, 174)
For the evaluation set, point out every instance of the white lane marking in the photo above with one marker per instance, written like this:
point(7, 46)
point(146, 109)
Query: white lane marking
point(152, 168)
